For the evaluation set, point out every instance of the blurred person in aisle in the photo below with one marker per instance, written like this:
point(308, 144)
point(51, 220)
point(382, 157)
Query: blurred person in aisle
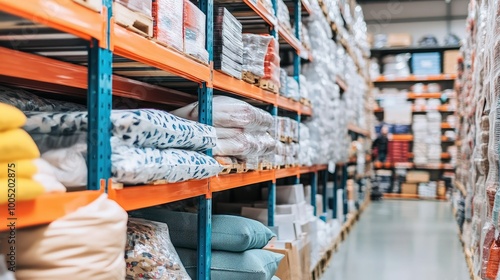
point(381, 143)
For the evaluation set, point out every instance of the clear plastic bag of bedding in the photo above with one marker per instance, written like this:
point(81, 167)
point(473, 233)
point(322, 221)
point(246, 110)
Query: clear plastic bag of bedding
point(131, 165)
point(232, 113)
point(293, 88)
point(149, 253)
point(245, 144)
point(135, 127)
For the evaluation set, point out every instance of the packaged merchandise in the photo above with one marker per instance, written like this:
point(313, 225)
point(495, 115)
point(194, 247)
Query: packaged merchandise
point(141, 6)
point(396, 65)
point(168, 23)
point(149, 253)
point(194, 32)
point(228, 43)
point(54, 251)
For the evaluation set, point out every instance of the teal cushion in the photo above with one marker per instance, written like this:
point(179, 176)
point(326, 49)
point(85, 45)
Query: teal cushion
point(229, 233)
point(253, 264)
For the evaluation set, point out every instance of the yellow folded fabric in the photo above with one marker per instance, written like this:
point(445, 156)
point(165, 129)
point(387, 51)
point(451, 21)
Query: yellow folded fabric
point(17, 144)
point(11, 117)
point(19, 189)
point(25, 168)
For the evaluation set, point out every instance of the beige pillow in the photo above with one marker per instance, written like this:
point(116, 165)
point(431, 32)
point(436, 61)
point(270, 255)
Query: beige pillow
point(86, 244)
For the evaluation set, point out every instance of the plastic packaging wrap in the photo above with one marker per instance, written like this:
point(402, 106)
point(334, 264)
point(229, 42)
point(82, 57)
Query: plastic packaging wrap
point(304, 85)
point(284, 83)
point(141, 6)
point(245, 145)
point(149, 253)
point(131, 165)
point(140, 128)
point(26, 101)
point(396, 65)
point(168, 23)
point(228, 43)
point(261, 57)
point(293, 88)
point(230, 112)
point(194, 32)
point(284, 15)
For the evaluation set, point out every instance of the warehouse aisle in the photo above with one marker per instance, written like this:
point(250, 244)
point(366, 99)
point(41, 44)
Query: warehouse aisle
point(401, 240)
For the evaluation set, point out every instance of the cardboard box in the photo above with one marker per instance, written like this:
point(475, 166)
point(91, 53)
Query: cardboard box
point(409, 188)
point(417, 176)
point(296, 263)
point(290, 194)
point(399, 40)
point(450, 61)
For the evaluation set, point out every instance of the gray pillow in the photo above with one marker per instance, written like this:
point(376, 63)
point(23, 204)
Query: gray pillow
point(253, 264)
point(229, 233)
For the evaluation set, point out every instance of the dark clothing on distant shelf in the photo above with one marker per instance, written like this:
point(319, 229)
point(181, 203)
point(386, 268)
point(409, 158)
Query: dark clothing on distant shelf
point(381, 144)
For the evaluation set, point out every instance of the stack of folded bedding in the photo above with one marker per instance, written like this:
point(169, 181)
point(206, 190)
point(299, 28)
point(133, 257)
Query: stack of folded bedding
point(242, 129)
point(147, 145)
point(24, 175)
point(237, 244)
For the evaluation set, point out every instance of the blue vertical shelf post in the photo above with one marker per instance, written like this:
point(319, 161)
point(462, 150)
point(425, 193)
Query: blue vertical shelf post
point(271, 199)
point(99, 108)
point(335, 188)
point(296, 58)
point(314, 187)
point(205, 97)
point(324, 183)
point(344, 191)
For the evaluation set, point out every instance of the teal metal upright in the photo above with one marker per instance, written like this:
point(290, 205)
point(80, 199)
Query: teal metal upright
point(335, 188)
point(99, 96)
point(344, 191)
point(205, 97)
point(324, 183)
point(314, 186)
point(271, 198)
point(296, 58)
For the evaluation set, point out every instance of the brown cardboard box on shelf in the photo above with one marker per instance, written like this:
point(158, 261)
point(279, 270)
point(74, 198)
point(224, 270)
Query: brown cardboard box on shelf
point(417, 176)
point(450, 61)
point(399, 40)
point(296, 263)
point(409, 188)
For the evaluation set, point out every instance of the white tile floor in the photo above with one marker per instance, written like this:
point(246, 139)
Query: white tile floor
point(401, 240)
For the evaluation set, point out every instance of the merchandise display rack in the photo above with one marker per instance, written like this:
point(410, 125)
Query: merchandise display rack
point(108, 49)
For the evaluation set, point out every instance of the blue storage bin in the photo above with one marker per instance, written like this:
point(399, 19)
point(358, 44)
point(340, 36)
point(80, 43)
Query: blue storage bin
point(426, 63)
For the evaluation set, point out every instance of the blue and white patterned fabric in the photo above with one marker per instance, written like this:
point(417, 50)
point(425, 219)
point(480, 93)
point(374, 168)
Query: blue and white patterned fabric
point(139, 128)
point(132, 165)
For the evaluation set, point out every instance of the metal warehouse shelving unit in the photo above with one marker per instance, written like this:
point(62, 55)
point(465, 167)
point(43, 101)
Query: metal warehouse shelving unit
point(62, 47)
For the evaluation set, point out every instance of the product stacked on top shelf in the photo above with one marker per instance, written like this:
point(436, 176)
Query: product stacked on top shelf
point(478, 131)
point(228, 43)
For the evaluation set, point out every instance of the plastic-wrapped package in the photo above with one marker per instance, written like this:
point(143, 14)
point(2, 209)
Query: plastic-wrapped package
point(245, 145)
point(493, 261)
point(140, 128)
point(261, 57)
point(69, 164)
point(130, 165)
point(168, 23)
point(304, 85)
point(149, 253)
point(84, 244)
point(284, 83)
point(194, 32)
point(140, 6)
point(284, 15)
point(232, 113)
point(293, 88)
point(396, 65)
point(228, 43)
point(26, 101)
point(272, 63)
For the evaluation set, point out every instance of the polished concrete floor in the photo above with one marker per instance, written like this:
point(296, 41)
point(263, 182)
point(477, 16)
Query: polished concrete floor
point(401, 240)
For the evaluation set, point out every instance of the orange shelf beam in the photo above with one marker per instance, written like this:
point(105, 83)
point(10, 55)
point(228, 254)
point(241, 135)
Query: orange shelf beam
point(64, 15)
point(342, 84)
point(442, 108)
point(136, 197)
point(413, 78)
point(290, 172)
point(232, 181)
point(70, 79)
point(402, 137)
point(355, 128)
point(413, 95)
point(443, 155)
point(293, 41)
point(230, 84)
point(446, 126)
point(411, 196)
point(135, 47)
point(307, 6)
point(258, 8)
point(46, 208)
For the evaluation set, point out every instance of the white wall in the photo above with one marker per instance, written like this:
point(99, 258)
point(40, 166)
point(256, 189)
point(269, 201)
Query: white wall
point(419, 29)
point(393, 10)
